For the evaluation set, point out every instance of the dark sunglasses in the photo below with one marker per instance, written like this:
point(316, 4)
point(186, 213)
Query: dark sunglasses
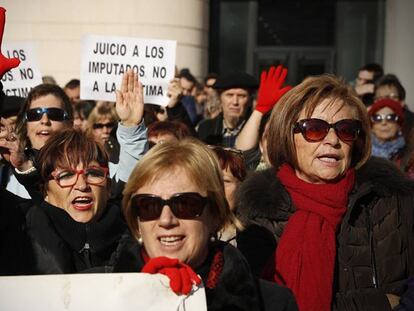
point(314, 130)
point(54, 114)
point(377, 118)
point(186, 205)
point(102, 125)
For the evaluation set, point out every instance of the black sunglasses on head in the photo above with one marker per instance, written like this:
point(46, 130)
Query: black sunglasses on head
point(377, 118)
point(314, 130)
point(54, 114)
point(186, 205)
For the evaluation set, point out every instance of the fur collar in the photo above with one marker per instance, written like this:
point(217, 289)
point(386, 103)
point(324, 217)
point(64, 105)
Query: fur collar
point(262, 191)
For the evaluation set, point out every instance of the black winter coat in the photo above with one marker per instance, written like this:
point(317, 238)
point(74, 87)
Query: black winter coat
point(60, 244)
point(237, 288)
point(375, 242)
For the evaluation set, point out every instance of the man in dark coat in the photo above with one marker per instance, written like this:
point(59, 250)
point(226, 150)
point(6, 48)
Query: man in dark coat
point(235, 93)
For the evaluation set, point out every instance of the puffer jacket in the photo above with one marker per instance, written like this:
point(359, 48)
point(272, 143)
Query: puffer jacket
point(375, 242)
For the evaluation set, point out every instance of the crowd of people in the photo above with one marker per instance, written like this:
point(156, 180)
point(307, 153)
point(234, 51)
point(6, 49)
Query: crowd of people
point(270, 196)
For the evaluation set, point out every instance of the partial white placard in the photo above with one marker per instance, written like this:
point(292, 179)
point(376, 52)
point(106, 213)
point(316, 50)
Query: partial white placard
point(104, 60)
point(103, 292)
point(20, 80)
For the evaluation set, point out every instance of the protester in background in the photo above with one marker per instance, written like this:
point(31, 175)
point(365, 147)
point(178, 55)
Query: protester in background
point(12, 235)
point(101, 121)
point(365, 82)
point(234, 172)
point(48, 80)
point(212, 106)
point(72, 90)
point(188, 83)
point(162, 131)
point(387, 120)
point(209, 81)
point(389, 86)
point(174, 204)
point(174, 111)
point(325, 221)
point(81, 113)
point(252, 138)
point(235, 93)
point(9, 110)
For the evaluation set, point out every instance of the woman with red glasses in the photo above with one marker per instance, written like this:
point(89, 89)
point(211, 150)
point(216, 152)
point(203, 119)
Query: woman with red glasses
point(174, 204)
point(327, 221)
point(73, 225)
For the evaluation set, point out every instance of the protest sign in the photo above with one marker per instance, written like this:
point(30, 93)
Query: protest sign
point(20, 80)
point(105, 59)
point(107, 291)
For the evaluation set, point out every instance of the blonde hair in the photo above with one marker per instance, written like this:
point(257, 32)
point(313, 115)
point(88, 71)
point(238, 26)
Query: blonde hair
point(99, 113)
point(198, 162)
point(307, 96)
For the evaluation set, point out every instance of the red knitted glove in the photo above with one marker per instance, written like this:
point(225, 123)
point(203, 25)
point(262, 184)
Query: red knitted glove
point(5, 63)
point(181, 276)
point(270, 88)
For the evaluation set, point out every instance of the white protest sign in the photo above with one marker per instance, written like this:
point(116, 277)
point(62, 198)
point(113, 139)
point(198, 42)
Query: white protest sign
point(103, 292)
point(105, 59)
point(20, 80)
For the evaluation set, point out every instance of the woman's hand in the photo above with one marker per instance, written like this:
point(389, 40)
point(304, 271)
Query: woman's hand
point(181, 276)
point(175, 92)
point(270, 90)
point(10, 147)
point(130, 100)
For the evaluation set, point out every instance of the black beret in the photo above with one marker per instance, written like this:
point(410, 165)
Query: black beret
point(10, 106)
point(236, 80)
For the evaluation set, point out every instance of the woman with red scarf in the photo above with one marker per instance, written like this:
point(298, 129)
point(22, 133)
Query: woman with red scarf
point(327, 221)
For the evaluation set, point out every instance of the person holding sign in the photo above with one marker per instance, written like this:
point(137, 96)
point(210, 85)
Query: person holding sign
point(174, 204)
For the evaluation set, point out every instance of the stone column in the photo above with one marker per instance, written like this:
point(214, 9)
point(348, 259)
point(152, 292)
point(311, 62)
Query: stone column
point(399, 44)
point(56, 28)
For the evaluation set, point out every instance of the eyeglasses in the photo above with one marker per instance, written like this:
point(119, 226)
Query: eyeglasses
point(54, 114)
point(315, 130)
point(109, 125)
point(377, 118)
point(94, 175)
point(186, 205)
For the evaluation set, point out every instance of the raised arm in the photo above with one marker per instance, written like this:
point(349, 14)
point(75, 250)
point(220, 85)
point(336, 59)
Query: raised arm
point(270, 91)
point(131, 132)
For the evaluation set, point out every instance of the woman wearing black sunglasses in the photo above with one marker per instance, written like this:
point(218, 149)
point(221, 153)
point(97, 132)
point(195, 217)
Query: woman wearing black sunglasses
point(175, 205)
point(326, 221)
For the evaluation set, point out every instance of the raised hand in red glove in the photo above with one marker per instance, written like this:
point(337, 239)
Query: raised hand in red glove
point(181, 276)
point(270, 88)
point(5, 63)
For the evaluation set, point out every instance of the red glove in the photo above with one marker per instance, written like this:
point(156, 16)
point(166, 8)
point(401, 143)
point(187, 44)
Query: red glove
point(181, 276)
point(5, 63)
point(270, 88)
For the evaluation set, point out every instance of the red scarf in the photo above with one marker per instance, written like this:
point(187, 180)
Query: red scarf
point(305, 256)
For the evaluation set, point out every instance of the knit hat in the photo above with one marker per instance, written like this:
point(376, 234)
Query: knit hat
point(390, 103)
point(236, 80)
